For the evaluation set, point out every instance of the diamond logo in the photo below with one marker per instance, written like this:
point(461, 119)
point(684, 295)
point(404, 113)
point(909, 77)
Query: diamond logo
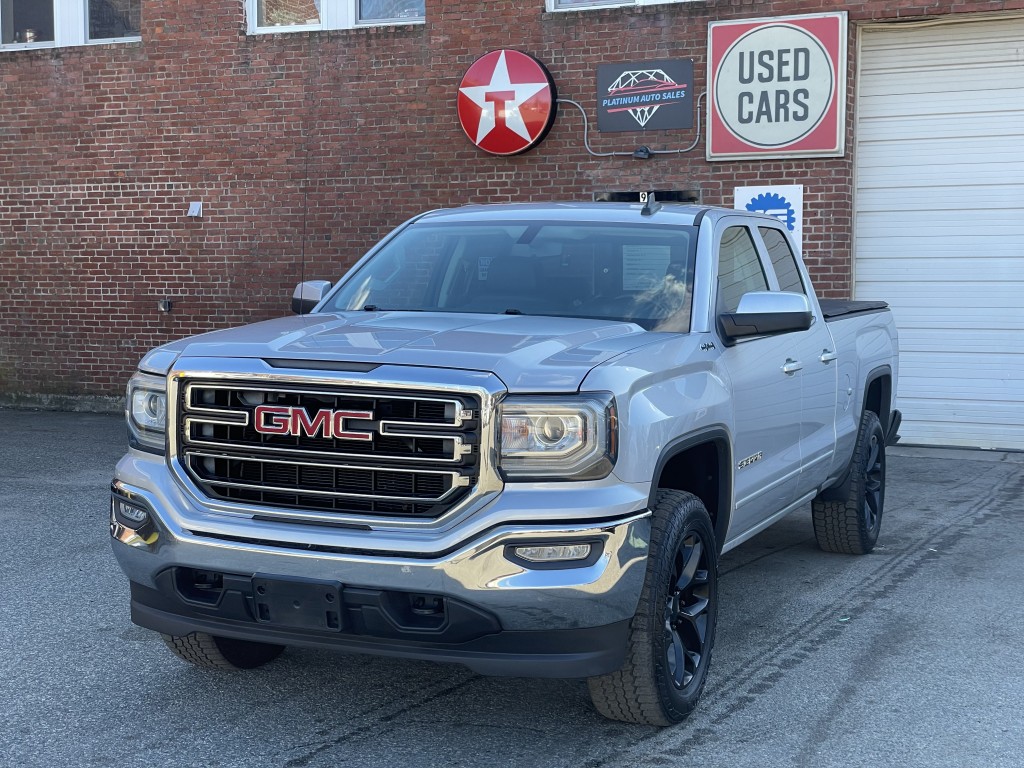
point(646, 95)
point(641, 82)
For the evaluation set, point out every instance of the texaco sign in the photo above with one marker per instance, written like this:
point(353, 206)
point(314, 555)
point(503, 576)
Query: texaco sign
point(506, 102)
point(778, 87)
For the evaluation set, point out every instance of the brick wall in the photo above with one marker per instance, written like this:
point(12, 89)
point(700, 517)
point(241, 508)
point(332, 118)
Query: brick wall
point(313, 145)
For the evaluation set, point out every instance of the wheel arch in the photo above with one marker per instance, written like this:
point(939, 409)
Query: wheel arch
point(878, 395)
point(878, 400)
point(701, 464)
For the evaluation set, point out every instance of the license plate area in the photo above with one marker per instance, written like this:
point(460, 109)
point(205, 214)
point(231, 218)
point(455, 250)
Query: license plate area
point(298, 603)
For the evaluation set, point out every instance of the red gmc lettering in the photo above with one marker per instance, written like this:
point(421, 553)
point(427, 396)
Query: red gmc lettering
point(285, 420)
point(302, 423)
point(339, 425)
point(278, 423)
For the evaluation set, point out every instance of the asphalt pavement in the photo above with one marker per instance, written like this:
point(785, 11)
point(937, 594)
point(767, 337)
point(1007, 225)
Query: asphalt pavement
point(910, 656)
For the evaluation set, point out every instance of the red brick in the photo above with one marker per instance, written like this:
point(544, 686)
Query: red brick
point(332, 136)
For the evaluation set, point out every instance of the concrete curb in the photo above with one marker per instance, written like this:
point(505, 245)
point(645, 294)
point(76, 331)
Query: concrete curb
point(72, 403)
point(955, 454)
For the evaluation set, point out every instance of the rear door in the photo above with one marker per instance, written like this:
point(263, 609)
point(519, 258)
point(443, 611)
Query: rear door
point(813, 350)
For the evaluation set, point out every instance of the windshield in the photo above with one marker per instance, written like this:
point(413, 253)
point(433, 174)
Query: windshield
point(640, 273)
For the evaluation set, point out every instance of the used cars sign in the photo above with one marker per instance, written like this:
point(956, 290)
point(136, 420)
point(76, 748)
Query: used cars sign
point(778, 87)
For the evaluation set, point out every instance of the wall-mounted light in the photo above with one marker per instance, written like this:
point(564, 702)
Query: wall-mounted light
point(195, 210)
point(165, 305)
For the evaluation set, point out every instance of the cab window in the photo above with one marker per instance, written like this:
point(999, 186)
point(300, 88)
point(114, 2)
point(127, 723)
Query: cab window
point(739, 268)
point(783, 260)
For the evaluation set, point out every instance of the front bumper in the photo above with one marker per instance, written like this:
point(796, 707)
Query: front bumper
point(497, 614)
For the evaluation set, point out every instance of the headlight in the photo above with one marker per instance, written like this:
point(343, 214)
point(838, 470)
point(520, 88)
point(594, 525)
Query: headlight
point(146, 412)
point(558, 438)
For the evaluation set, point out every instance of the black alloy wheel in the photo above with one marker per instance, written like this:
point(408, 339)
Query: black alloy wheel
point(874, 482)
point(673, 631)
point(686, 611)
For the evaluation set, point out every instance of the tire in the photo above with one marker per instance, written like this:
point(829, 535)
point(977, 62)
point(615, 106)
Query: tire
point(673, 631)
point(222, 653)
point(847, 519)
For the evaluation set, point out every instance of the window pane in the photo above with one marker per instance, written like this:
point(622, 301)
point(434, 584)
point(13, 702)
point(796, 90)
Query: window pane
point(114, 18)
point(783, 260)
point(281, 13)
point(584, 3)
point(27, 21)
point(382, 10)
point(739, 269)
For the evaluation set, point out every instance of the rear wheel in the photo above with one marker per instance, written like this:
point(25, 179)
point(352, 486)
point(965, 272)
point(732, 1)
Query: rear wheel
point(224, 653)
point(849, 518)
point(673, 631)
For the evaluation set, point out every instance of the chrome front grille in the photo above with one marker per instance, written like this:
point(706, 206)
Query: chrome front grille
point(330, 450)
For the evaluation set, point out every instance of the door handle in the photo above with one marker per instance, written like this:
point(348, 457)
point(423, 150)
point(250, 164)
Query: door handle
point(827, 356)
point(792, 366)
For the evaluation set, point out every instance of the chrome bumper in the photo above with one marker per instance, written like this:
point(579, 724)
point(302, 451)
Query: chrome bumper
point(469, 563)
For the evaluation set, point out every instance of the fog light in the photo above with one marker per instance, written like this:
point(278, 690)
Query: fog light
point(129, 515)
point(553, 553)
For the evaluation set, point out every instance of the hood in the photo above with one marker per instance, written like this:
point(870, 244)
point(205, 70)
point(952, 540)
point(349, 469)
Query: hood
point(527, 353)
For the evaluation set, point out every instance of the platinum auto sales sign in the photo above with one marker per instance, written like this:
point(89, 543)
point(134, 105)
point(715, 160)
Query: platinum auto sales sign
point(778, 87)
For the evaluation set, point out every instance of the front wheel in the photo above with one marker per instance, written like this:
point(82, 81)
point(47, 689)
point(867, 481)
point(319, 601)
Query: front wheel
point(224, 653)
point(673, 631)
point(849, 518)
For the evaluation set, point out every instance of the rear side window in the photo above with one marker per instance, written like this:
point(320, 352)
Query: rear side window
point(783, 260)
point(739, 268)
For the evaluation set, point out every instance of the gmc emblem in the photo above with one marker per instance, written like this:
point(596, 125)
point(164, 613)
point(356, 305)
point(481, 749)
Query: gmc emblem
point(286, 420)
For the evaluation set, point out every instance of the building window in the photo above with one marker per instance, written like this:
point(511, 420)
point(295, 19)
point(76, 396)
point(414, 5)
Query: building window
point(59, 23)
point(390, 10)
point(579, 5)
point(287, 13)
point(114, 19)
point(27, 21)
point(299, 15)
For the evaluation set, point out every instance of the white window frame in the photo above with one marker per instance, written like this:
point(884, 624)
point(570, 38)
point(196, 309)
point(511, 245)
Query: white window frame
point(556, 6)
point(70, 28)
point(334, 14)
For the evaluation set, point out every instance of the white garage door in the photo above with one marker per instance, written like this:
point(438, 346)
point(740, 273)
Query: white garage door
point(939, 222)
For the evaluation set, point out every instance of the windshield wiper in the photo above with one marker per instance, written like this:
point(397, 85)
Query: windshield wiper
point(512, 311)
point(375, 308)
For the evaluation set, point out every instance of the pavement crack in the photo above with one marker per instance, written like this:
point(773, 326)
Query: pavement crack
point(779, 550)
point(373, 725)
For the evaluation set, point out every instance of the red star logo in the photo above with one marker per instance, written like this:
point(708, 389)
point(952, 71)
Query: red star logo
point(506, 102)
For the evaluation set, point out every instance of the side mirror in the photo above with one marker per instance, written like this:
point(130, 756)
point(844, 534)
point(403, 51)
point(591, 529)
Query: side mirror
point(764, 313)
point(308, 294)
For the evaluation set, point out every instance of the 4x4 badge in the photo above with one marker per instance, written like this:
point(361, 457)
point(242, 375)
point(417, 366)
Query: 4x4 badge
point(750, 460)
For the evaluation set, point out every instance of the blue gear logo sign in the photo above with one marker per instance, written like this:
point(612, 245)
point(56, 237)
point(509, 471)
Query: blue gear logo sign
point(774, 205)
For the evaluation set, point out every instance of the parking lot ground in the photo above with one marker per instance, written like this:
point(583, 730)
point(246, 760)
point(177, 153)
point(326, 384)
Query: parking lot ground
point(910, 656)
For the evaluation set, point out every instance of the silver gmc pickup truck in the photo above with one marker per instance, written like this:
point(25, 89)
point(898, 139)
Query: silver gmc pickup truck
point(514, 437)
